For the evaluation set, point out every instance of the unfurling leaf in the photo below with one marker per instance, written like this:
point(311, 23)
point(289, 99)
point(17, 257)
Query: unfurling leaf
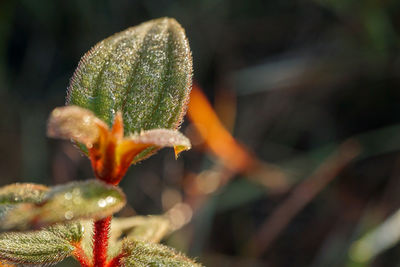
point(144, 71)
point(156, 138)
point(90, 199)
point(44, 247)
point(75, 123)
point(110, 152)
point(138, 253)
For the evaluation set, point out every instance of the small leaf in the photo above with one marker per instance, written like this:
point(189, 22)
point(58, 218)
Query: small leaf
point(75, 123)
point(143, 228)
point(152, 231)
point(90, 199)
point(71, 232)
point(44, 247)
point(138, 253)
point(19, 193)
point(155, 138)
point(144, 71)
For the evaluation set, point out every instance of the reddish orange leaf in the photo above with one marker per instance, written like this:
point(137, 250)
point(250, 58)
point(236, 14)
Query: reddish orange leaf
point(234, 155)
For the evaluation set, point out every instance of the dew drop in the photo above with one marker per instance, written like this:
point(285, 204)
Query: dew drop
point(110, 199)
point(102, 203)
point(86, 119)
point(68, 196)
point(69, 215)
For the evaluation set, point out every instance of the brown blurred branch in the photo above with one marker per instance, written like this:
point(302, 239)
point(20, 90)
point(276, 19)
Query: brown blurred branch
point(301, 195)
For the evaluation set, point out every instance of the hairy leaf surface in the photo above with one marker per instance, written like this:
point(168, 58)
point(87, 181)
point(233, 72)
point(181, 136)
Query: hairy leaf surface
point(44, 247)
point(90, 199)
point(144, 71)
point(139, 253)
point(20, 193)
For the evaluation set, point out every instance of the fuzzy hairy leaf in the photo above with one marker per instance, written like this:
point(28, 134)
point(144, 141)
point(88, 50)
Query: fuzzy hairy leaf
point(75, 123)
point(144, 71)
point(138, 254)
point(90, 199)
point(44, 247)
point(156, 138)
point(71, 232)
point(19, 193)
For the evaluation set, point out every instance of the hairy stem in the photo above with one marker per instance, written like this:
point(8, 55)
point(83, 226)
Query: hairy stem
point(81, 256)
point(100, 241)
point(115, 262)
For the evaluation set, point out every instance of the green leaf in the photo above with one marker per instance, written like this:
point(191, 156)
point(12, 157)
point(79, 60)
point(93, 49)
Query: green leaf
point(43, 247)
point(19, 193)
point(71, 232)
point(138, 253)
point(90, 199)
point(144, 71)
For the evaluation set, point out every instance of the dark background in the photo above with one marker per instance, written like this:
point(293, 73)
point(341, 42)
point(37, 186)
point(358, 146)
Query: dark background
point(302, 76)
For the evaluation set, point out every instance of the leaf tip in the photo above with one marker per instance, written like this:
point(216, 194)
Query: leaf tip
point(179, 149)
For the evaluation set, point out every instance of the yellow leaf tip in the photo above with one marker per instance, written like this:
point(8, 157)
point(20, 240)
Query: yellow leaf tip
point(179, 149)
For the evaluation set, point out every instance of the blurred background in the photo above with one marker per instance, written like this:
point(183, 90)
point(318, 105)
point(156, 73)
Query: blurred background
point(308, 89)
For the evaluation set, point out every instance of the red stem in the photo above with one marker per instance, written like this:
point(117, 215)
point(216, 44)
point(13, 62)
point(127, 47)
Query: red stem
point(80, 255)
point(100, 241)
point(116, 262)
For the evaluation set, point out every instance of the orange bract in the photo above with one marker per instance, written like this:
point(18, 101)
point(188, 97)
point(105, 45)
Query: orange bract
point(106, 163)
